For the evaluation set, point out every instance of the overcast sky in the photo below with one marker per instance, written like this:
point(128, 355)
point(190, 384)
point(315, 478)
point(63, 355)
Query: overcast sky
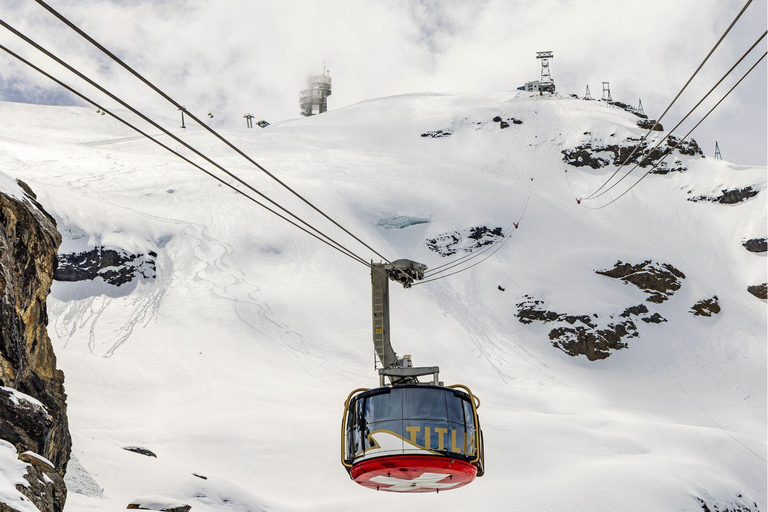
point(238, 56)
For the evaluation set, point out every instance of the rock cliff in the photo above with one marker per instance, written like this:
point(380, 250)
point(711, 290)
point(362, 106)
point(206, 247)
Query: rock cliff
point(33, 411)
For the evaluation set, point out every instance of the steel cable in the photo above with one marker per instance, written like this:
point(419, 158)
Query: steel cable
point(686, 135)
point(673, 100)
point(198, 121)
point(165, 131)
point(338, 247)
point(669, 133)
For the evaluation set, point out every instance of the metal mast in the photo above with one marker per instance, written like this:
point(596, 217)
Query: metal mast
point(607, 92)
point(587, 95)
point(546, 82)
point(397, 370)
point(718, 156)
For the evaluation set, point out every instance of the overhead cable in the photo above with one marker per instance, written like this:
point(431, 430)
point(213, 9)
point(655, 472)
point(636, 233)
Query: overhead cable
point(174, 137)
point(673, 100)
point(198, 121)
point(594, 196)
point(686, 135)
point(332, 243)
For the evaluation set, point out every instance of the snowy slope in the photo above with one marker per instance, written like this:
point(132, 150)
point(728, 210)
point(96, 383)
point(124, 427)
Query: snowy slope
point(235, 362)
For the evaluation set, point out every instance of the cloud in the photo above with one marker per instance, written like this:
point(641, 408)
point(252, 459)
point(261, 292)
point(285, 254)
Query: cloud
point(233, 56)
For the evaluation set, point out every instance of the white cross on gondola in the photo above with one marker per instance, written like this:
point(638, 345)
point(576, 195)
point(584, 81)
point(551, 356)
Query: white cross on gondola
point(423, 481)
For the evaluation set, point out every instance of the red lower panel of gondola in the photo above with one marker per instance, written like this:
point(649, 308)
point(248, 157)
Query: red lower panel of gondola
point(413, 473)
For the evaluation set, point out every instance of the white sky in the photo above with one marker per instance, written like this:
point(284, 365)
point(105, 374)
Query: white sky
point(238, 56)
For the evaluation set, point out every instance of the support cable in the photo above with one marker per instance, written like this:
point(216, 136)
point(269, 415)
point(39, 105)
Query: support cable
point(686, 135)
point(595, 195)
point(165, 131)
point(674, 100)
point(198, 121)
point(334, 245)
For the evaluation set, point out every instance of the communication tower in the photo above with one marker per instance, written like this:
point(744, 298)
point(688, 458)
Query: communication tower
point(640, 107)
point(314, 99)
point(546, 83)
point(587, 95)
point(718, 156)
point(607, 91)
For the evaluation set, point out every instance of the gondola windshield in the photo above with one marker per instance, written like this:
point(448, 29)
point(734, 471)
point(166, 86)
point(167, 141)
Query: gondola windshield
point(411, 420)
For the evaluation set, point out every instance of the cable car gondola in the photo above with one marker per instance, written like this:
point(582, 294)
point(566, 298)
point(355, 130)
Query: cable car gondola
point(408, 436)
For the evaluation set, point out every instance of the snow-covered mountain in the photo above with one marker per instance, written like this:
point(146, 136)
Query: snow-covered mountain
point(229, 351)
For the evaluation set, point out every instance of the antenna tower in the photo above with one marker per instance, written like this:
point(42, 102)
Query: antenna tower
point(718, 156)
point(546, 83)
point(587, 95)
point(607, 92)
point(640, 106)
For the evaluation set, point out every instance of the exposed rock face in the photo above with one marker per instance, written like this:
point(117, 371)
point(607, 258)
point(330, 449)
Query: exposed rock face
point(734, 196)
point(659, 280)
point(115, 267)
point(738, 504)
point(759, 290)
point(140, 451)
point(36, 423)
point(600, 155)
point(468, 240)
point(579, 334)
point(756, 245)
point(436, 134)
point(647, 124)
point(706, 307)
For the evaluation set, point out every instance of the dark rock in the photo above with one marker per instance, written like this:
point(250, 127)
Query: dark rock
point(502, 289)
point(595, 344)
point(200, 476)
point(737, 504)
point(140, 450)
point(468, 240)
point(140, 506)
point(759, 290)
point(583, 157)
point(580, 336)
point(497, 119)
point(28, 244)
point(756, 245)
point(115, 267)
point(653, 319)
point(436, 134)
point(647, 124)
point(638, 310)
point(729, 196)
point(660, 281)
point(706, 307)
point(515, 120)
point(503, 125)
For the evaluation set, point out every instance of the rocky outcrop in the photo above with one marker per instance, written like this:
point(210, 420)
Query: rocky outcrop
point(755, 245)
point(706, 307)
point(33, 414)
point(738, 504)
point(437, 134)
point(759, 290)
point(578, 335)
point(140, 451)
point(650, 124)
point(659, 280)
point(733, 196)
point(467, 240)
point(600, 155)
point(114, 267)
